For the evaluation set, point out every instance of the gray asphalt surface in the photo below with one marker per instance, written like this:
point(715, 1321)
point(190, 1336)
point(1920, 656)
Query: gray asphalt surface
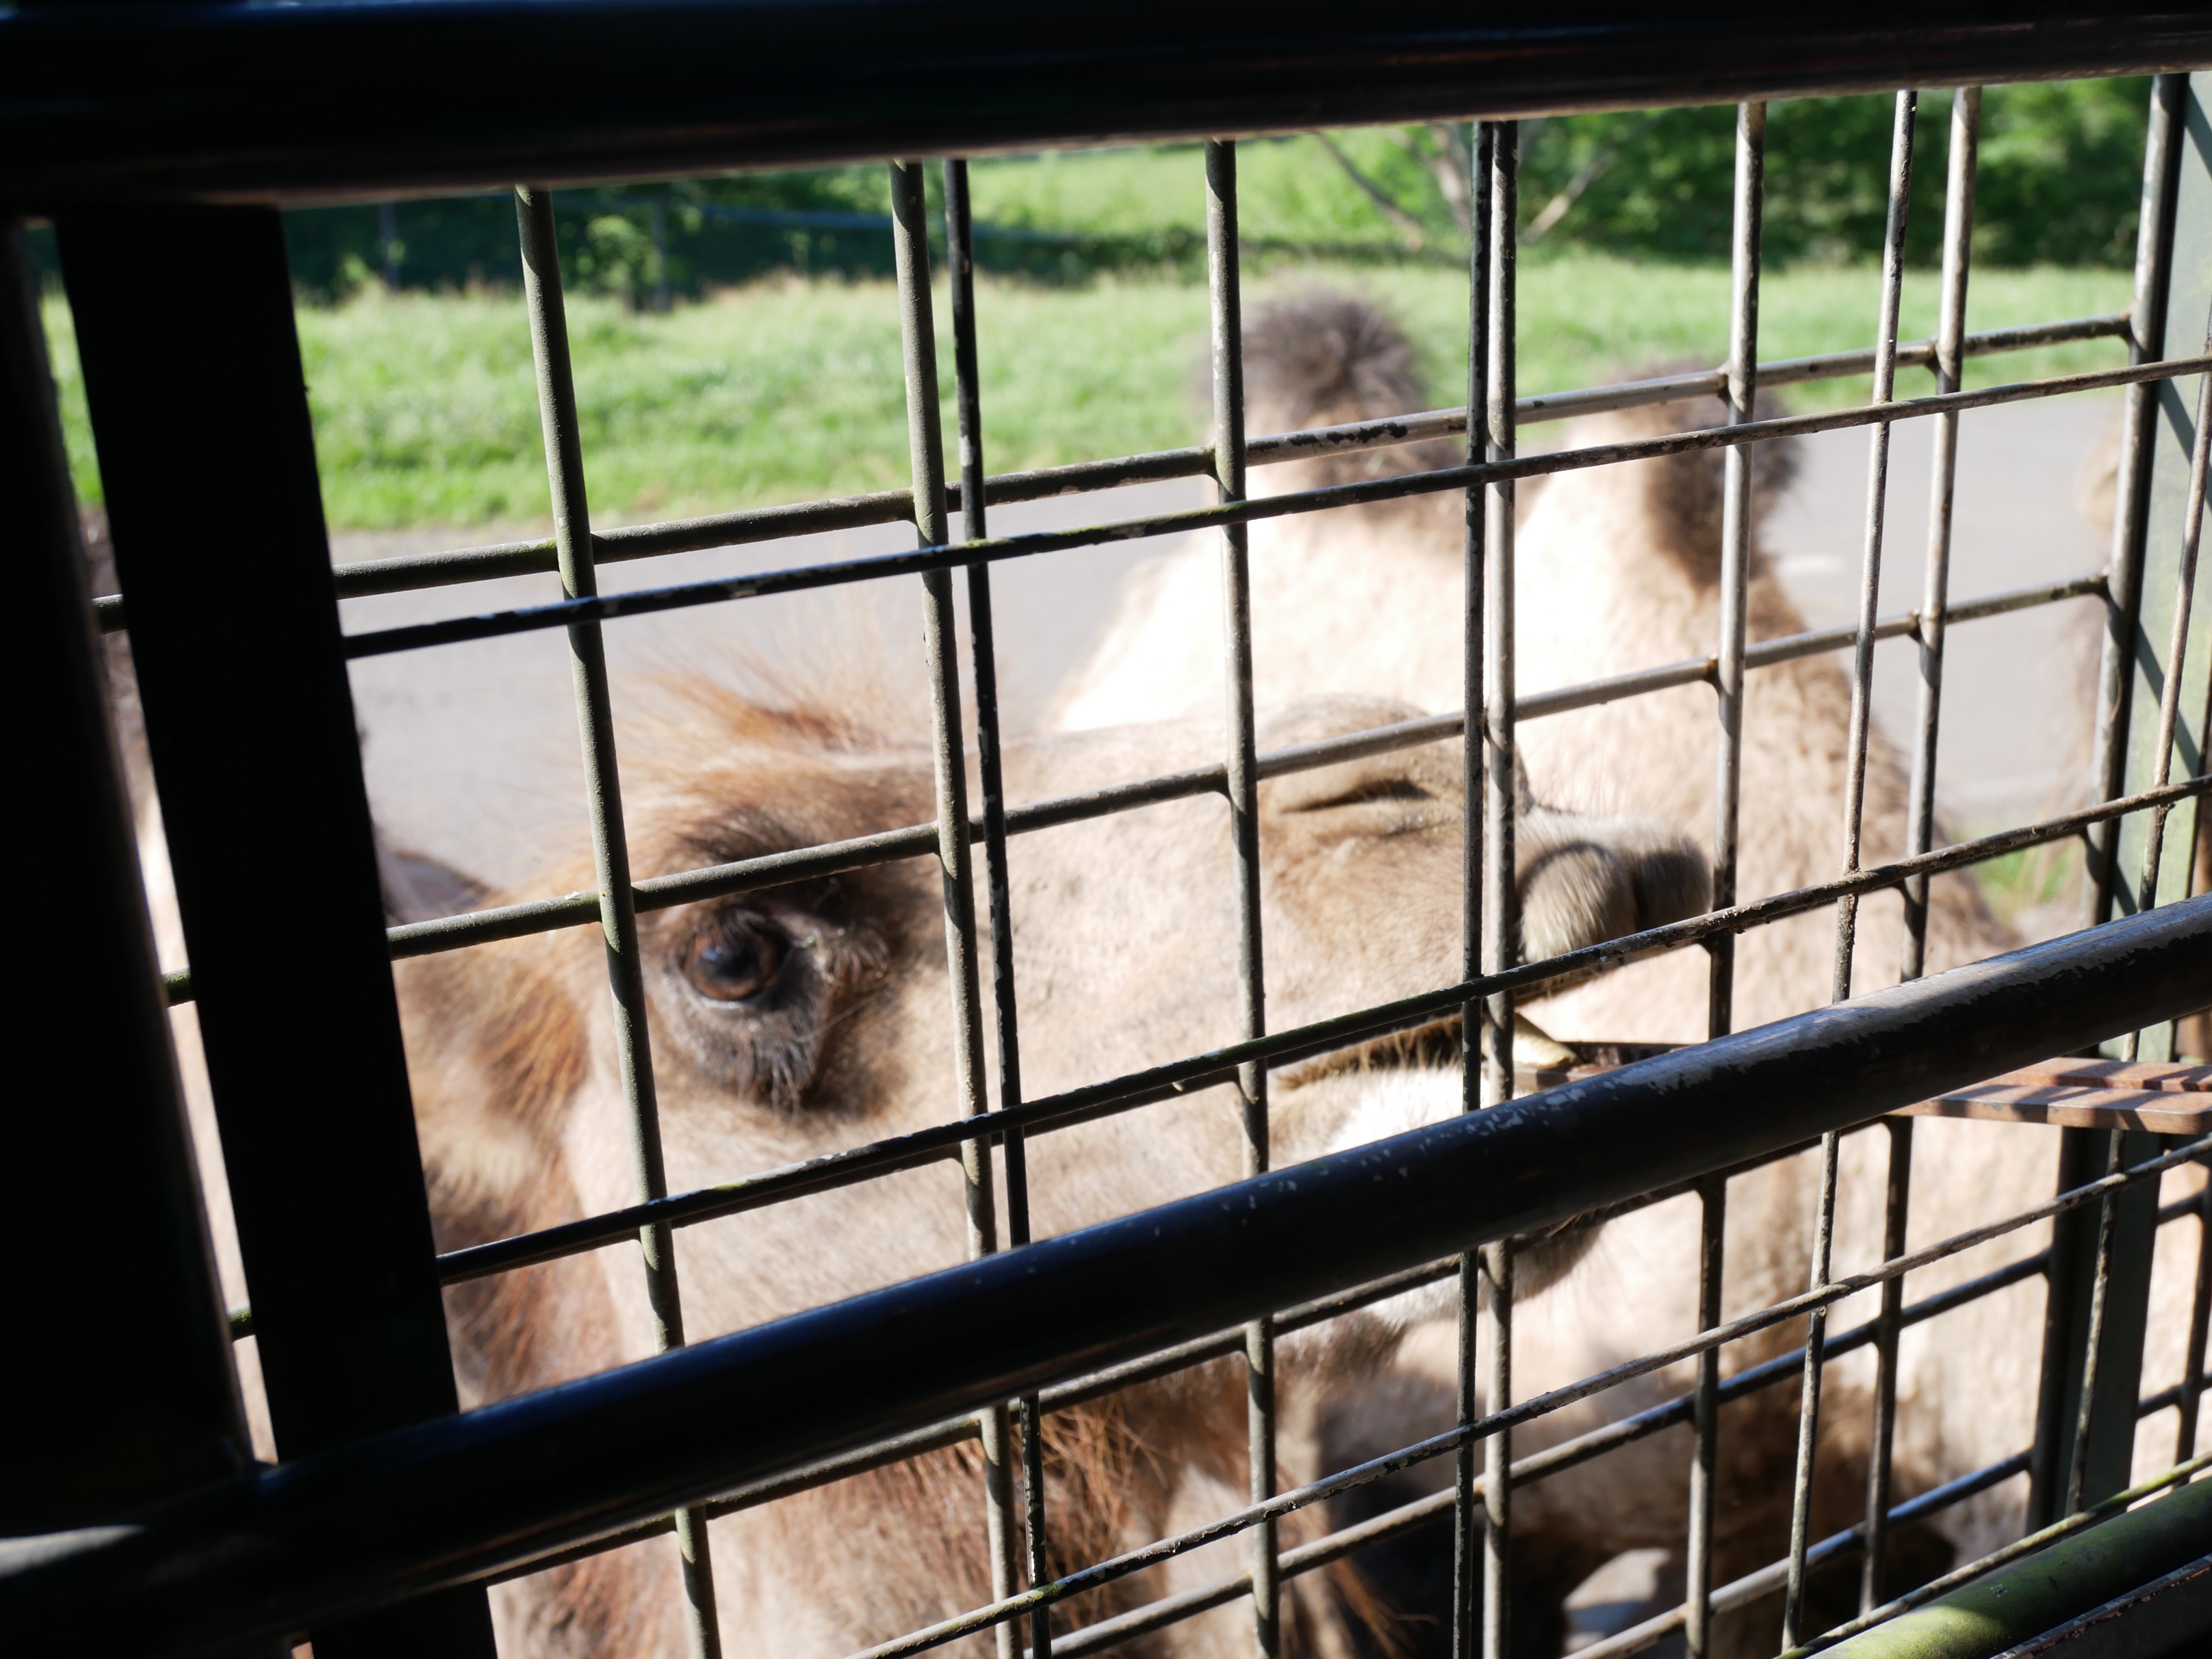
point(471, 752)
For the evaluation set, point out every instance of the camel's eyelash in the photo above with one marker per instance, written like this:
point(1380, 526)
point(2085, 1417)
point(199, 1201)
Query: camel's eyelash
point(1382, 789)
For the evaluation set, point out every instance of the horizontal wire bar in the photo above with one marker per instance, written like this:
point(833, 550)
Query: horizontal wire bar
point(1537, 1466)
point(935, 1437)
point(1781, 1369)
point(2078, 1521)
point(1833, 1291)
point(802, 578)
point(1767, 1579)
point(581, 908)
point(405, 573)
point(920, 1146)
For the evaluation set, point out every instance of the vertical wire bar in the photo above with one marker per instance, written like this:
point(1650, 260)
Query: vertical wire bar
point(1950, 329)
point(2200, 1312)
point(572, 537)
point(1501, 912)
point(1705, 1406)
point(1824, 1226)
point(1226, 306)
point(2163, 138)
point(1749, 213)
point(1501, 918)
point(1897, 1197)
point(1920, 815)
point(2138, 442)
point(2169, 702)
point(926, 448)
point(2169, 714)
point(1736, 549)
point(960, 262)
point(1465, 1529)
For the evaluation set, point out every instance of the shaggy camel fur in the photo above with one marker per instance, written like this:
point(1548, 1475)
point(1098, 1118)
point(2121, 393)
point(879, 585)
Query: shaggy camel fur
point(1617, 568)
point(788, 1023)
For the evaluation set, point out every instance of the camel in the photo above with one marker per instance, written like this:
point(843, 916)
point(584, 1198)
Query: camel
point(790, 1022)
point(1617, 568)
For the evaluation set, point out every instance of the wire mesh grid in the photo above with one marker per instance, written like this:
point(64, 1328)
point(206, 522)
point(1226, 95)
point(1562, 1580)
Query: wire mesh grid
point(1025, 1589)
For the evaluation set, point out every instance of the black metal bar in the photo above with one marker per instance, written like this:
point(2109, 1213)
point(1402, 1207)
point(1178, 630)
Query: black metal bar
point(617, 904)
point(1920, 807)
point(1467, 1483)
point(408, 572)
point(1501, 913)
point(1705, 1400)
point(1240, 785)
point(2076, 1247)
point(332, 1220)
point(143, 1402)
point(801, 579)
point(1540, 1466)
point(246, 100)
point(862, 1163)
point(469, 1495)
point(2162, 169)
point(2191, 1388)
point(915, 841)
point(1728, 662)
point(1855, 764)
point(967, 379)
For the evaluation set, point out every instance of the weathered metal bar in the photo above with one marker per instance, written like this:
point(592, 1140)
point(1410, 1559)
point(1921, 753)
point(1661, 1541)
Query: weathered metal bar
point(262, 102)
point(1920, 807)
point(2162, 169)
point(469, 1495)
point(333, 1225)
point(2176, 664)
point(1219, 1066)
point(141, 1401)
point(967, 398)
point(1765, 1581)
point(687, 887)
point(1466, 1482)
point(1493, 1427)
point(1241, 784)
point(2192, 1394)
point(408, 572)
point(1540, 1466)
point(2108, 1215)
point(948, 774)
point(1501, 911)
point(617, 906)
point(650, 601)
point(1855, 765)
point(1704, 1400)
point(1956, 1614)
point(2174, 174)
point(1741, 390)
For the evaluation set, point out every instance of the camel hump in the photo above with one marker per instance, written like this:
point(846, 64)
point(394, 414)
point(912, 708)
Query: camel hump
point(1322, 357)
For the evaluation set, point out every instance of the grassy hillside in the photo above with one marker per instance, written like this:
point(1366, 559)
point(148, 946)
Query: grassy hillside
point(788, 388)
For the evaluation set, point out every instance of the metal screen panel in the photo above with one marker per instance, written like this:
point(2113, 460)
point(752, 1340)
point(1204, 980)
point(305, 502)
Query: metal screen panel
point(350, 1523)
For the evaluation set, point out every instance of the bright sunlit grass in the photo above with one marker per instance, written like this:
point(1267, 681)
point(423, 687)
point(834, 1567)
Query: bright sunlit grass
point(425, 413)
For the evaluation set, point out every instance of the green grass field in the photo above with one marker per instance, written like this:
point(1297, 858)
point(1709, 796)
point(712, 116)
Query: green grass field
point(425, 415)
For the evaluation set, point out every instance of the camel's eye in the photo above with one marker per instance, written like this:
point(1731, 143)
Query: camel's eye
point(735, 960)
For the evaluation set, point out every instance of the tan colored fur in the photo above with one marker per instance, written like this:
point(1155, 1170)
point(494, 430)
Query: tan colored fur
point(1617, 569)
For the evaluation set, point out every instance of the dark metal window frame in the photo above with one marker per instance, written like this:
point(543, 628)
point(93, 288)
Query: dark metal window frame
point(202, 799)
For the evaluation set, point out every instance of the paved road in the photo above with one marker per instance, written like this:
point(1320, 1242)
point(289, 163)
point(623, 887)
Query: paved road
point(471, 752)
